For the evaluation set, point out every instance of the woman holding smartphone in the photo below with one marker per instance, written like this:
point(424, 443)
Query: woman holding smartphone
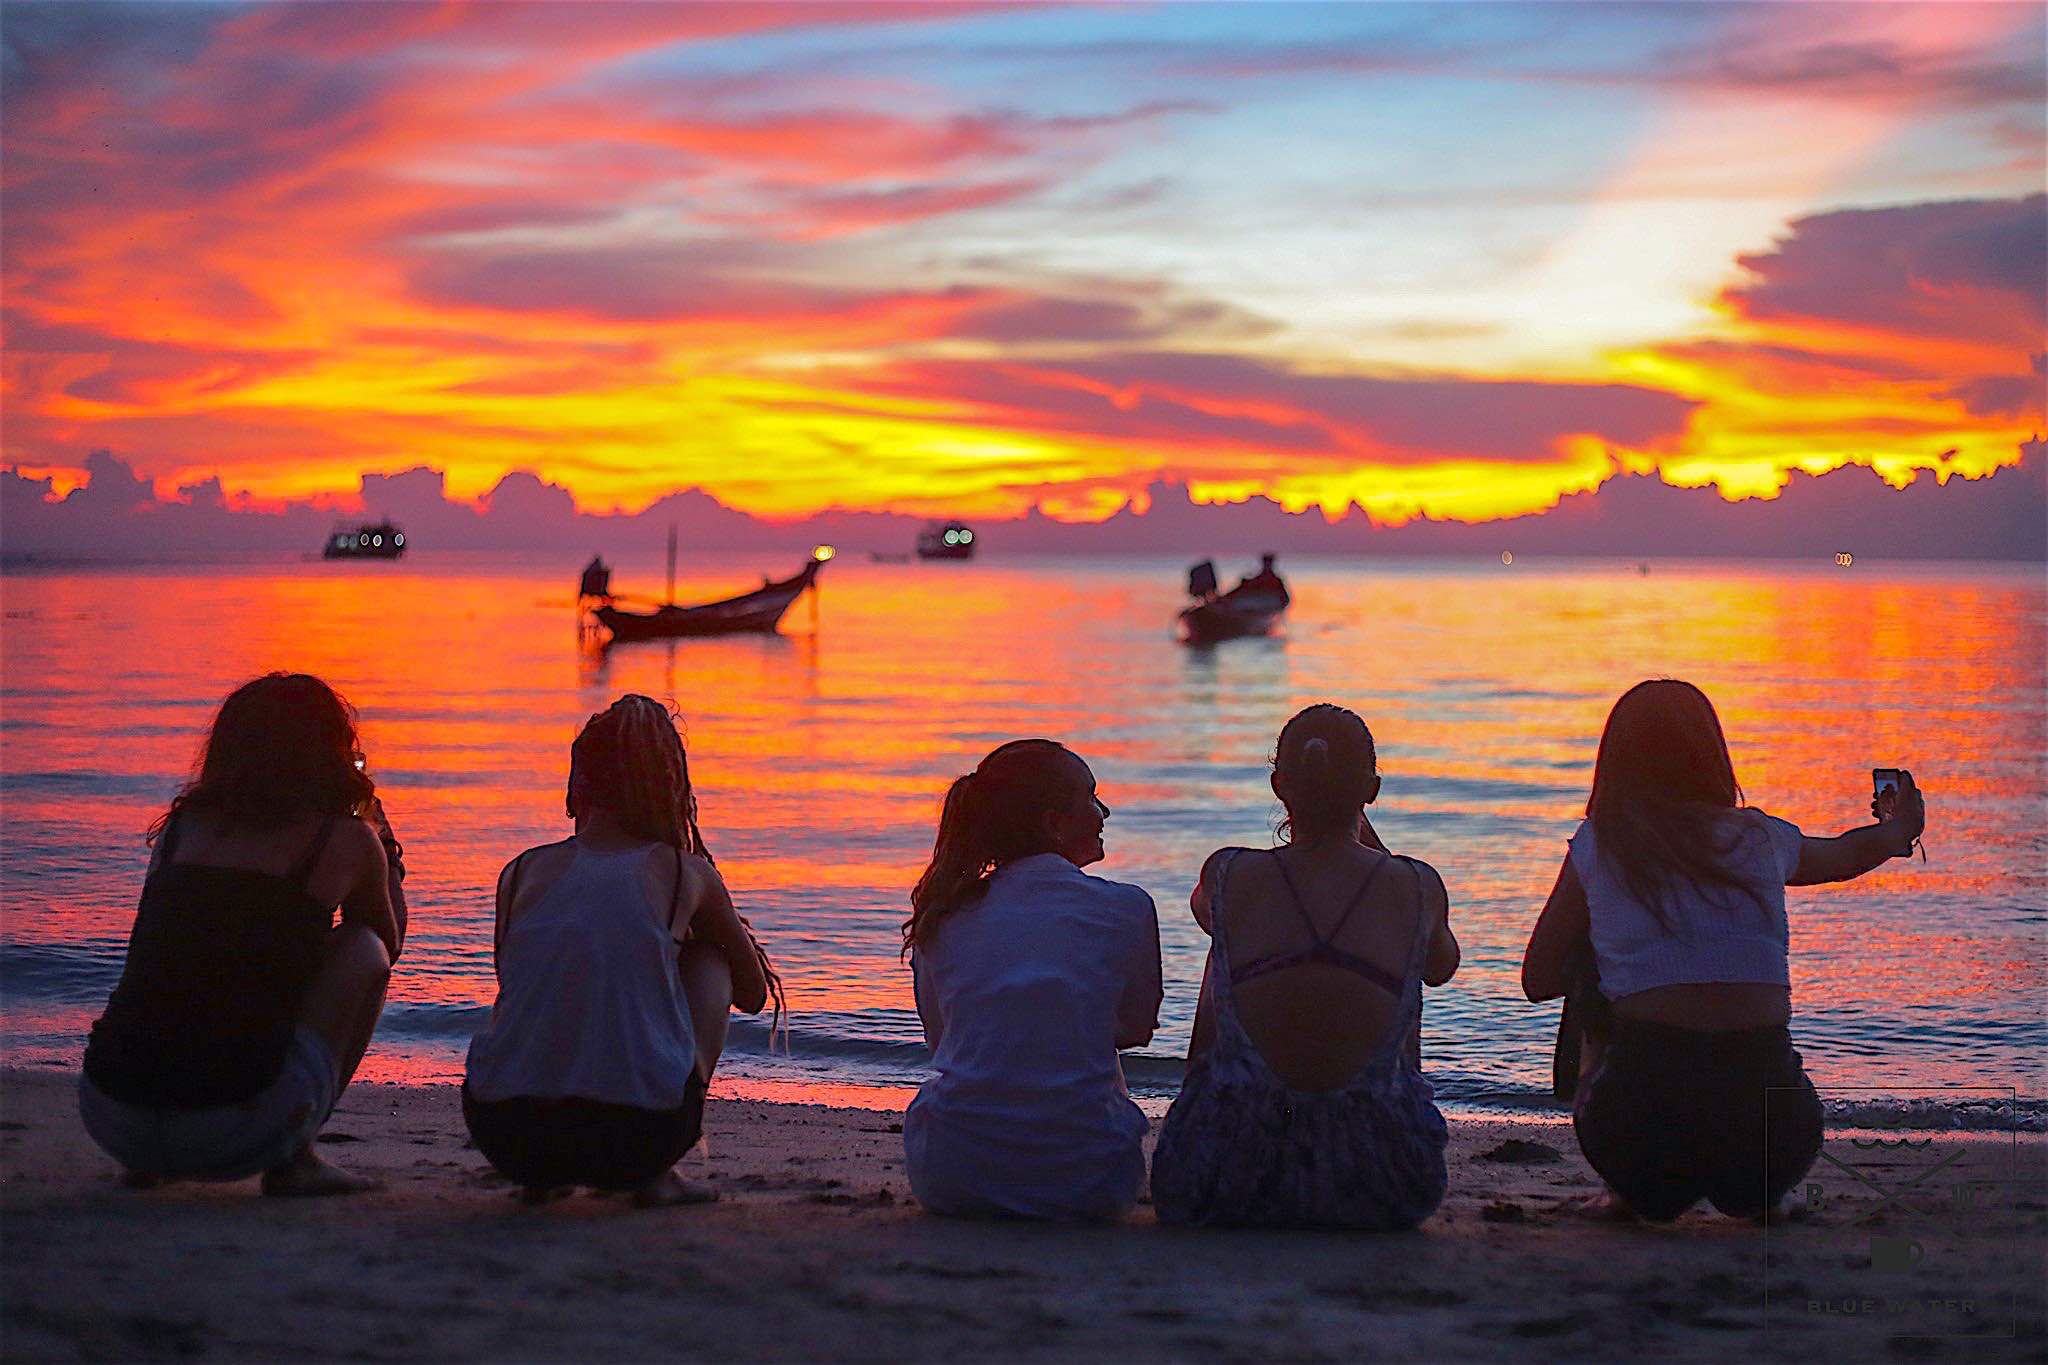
point(1679, 889)
point(243, 1007)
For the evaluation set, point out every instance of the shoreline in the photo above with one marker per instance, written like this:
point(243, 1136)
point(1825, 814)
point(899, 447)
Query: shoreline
point(816, 1251)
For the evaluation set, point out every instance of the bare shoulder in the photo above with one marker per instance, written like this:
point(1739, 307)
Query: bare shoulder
point(540, 861)
point(698, 873)
point(1434, 893)
point(355, 845)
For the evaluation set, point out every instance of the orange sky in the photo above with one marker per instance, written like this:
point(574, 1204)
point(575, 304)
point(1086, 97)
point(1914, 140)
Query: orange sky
point(1452, 261)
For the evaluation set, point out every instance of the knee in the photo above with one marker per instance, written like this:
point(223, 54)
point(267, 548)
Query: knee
point(704, 969)
point(360, 953)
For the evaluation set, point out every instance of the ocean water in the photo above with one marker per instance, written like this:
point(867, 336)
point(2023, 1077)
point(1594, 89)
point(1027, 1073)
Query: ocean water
point(820, 756)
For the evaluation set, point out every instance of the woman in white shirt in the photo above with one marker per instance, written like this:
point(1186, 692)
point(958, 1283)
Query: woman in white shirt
point(619, 954)
point(1680, 890)
point(1030, 975)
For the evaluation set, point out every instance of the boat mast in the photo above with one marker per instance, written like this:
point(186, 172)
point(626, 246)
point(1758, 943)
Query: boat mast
point(671, 563)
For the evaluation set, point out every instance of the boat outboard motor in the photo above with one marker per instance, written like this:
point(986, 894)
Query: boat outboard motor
point(1202, 580)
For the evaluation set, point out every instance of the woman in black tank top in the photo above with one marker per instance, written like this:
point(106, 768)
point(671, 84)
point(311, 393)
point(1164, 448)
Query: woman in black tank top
point(243, 1008)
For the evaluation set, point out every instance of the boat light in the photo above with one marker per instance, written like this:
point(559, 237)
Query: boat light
point(1507, 556)
point(1845, 559)
point(966, 536)
point(398, 538)
point(823, 553)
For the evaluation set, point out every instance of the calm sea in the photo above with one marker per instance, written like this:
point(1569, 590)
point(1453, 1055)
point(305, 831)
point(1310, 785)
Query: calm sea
point(820, 756)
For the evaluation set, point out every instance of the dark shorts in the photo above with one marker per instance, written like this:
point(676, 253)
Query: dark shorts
point(1674, 1116)
point(547, 1142)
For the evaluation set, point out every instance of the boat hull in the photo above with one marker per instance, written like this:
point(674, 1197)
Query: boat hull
point(1231, 617)
point(753, 613)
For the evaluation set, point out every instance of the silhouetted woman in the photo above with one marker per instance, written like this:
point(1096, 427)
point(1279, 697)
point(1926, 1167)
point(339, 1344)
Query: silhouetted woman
point(619, 957)
point(1030, 975)
point(1304, 1103)
point(243, 1007)
point(1680, 890)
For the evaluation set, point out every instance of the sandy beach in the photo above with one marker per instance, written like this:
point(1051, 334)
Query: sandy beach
point(816, 1251)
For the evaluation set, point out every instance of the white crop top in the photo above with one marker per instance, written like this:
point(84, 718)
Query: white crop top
point(1715, 933)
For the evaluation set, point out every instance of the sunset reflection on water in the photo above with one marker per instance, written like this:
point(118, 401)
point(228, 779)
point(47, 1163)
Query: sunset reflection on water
point(820, 760)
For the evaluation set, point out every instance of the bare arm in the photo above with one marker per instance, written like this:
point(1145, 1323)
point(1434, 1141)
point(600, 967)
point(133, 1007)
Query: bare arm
point(712, 915)
point(1202, 901)
point(1204, 1036)
point(373, 899)
point(508, 881)
point(927, 1007)
point(394, 869)
point(1137, 1016)
point(1560, 929)
point(1441, 963)
point(1848, 856)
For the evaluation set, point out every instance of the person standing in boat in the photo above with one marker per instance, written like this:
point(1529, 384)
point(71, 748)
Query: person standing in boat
point(243, 1008)
point(1266, 580)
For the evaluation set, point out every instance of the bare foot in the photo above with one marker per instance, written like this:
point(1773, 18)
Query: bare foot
point(306, 1176)
point(668, 1190)
point(140, 1180)
point(1599, 1208)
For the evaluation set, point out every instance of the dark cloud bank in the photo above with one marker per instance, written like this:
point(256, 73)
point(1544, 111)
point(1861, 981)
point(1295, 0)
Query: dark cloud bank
point(116, 516)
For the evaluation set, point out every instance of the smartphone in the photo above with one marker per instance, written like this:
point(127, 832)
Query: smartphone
point(1884, 782)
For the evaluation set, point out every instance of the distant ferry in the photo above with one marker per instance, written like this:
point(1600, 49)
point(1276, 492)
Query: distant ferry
point(945, 540)
point(381, 541)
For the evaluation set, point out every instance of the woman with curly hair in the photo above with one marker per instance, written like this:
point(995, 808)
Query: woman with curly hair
point(619, 956)
point(243, 1008)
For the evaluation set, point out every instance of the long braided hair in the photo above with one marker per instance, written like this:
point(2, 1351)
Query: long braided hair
point(629, 759)
point(992, 816)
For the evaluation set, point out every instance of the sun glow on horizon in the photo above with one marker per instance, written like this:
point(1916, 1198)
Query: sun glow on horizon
point(655, 249)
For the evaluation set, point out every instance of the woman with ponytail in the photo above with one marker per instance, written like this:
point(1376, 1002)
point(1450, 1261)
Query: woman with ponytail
point(1304, 1103)
point(1030, 975)
point(619, 956)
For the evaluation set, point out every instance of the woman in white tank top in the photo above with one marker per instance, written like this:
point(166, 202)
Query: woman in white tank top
point(619, 954)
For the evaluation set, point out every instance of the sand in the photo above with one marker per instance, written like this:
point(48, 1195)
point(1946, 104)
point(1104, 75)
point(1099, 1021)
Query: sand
point(816, 1251)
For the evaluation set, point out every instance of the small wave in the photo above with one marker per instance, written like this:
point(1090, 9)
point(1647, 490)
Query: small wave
point(88, 782)
point(70, 973)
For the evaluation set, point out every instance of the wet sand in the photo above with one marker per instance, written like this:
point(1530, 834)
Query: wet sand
point(816, 1251)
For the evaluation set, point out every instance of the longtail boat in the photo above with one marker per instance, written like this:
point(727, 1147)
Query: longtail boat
point(1250, 608)
point(758, 612)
